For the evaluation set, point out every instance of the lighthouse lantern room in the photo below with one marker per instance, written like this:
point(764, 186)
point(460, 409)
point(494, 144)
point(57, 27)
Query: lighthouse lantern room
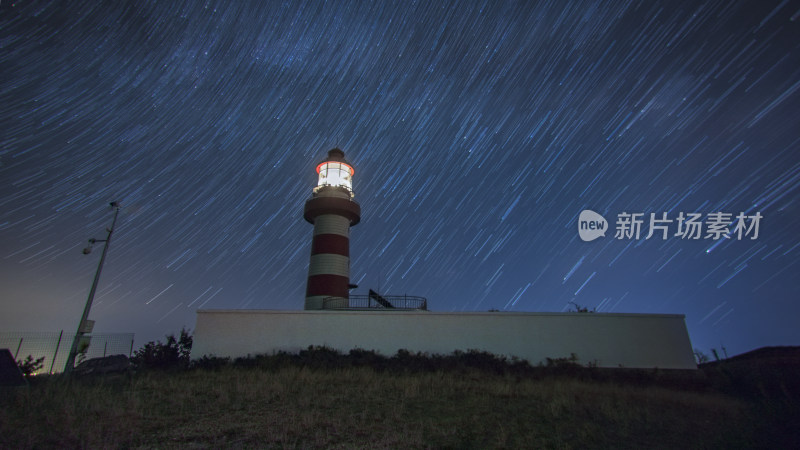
point(336, 174)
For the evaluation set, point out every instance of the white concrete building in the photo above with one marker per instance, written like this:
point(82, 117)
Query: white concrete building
point(608, 340)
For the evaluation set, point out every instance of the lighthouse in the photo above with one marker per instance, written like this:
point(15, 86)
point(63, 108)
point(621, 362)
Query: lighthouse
point(332, 211)
point(404, 322)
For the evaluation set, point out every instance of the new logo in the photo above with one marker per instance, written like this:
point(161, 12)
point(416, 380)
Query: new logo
point(591, 225)
point(718, 226)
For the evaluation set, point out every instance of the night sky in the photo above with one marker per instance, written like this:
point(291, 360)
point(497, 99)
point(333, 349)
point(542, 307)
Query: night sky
point(478, 131)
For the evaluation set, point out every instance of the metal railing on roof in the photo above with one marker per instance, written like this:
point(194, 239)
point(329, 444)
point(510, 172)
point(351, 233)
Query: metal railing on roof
point(372, 302)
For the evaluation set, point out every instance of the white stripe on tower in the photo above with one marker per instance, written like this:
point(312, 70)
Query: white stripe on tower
point(332, 224)
point(329, 264)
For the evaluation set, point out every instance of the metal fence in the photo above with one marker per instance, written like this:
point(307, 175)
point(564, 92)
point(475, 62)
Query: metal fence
point(54, 346)
point(384, 302)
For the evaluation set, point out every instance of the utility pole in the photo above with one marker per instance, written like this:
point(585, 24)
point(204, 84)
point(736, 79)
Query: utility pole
point(83, 327)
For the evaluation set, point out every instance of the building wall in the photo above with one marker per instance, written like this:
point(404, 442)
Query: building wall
point(609, 340)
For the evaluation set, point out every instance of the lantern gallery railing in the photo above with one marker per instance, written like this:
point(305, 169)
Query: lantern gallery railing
point(385, 302)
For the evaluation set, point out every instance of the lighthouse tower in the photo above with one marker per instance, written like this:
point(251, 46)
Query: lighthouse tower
point(333, 211)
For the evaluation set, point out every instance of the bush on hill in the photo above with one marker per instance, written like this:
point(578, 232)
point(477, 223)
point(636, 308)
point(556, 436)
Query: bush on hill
point(173, 354)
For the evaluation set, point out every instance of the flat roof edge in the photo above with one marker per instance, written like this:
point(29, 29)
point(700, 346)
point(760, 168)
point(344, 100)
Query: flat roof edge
point(435, 313)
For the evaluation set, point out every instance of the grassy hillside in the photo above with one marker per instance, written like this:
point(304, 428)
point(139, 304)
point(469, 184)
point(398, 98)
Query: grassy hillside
point(335, 403)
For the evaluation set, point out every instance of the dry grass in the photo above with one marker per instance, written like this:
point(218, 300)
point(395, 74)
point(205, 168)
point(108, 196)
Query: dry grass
point(358, 407)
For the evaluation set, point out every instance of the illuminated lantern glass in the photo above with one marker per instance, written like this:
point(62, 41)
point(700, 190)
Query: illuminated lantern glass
point(338, 174)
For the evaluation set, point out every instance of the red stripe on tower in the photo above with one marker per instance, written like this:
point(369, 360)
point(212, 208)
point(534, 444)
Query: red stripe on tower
point(330, 243)
point(327, 285)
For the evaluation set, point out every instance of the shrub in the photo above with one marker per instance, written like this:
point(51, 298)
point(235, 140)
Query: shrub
point(320, 357)
point(570, 362)
point(366, 358)
point(30, 366)
point(700, 357)
point(174, 354)
point(210, 362)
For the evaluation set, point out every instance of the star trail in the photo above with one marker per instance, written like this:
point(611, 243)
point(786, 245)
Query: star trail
point(479, 131)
